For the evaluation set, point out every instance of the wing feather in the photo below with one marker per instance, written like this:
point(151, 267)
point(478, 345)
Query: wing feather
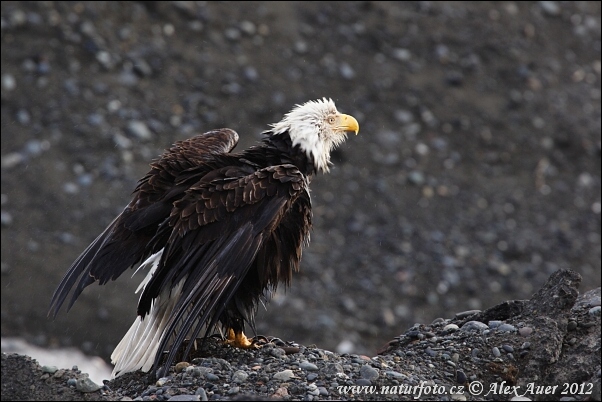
point(129, 238)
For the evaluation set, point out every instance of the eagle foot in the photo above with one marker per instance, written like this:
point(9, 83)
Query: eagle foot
point(240, 340)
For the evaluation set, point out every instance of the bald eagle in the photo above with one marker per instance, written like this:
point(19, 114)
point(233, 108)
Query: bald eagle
point(216, 230)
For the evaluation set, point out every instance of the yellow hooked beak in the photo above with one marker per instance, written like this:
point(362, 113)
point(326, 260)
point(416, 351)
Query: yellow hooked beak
point(348, 123)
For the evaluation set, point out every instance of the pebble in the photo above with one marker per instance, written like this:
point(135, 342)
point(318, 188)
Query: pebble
point(460, 377)
point(495, 323)
point(12, 159)
point(50, 369)
point(181, 366)
point(277, 352)
point(284, 375)
point(595, 311)
point(202, 394)
point(506, 328)
point(508, 348)
point(305, 365)
point(526, 331)
point(233, 390)
point(139, 129)
point(211, 377)
point(417, 177)
point(572, 325)
point(467, 313)
point(8, 82)
point(395, 374)
point(346, 71)
point(496, 351)
point(239, 376)
point(311, 377)
point(550, 8)
point(474, 326)
point(368, 372)
point(451, 328)
point(85, 384)
point(162, 381)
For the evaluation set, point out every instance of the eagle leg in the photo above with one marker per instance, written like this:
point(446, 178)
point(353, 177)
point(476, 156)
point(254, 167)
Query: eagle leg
point(239, 340)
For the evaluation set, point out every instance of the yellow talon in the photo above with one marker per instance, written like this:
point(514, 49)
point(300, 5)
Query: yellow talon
point(239, 340)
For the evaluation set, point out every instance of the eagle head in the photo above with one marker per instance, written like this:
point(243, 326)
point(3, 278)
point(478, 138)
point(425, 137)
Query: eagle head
point(317, 127)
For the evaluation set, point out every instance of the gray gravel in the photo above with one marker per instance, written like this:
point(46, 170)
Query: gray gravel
point(437, 362)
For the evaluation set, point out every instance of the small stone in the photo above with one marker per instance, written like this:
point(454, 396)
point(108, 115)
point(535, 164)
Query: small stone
point(474, 326)
point(413, 334)
point(417, 177)
point(239, 376)
point(402, 54)
point(211, 377)
point(460, 377)
point(50, 369)
point(12, 159)
point(506, 328)
point(467, 313)
point(181, 366)
point(311, 377)
point(233, 390)
point(8, 82)
point(368, 372)
point(161, 381)
point(595, 311)
point(194, 371)
point(85, 384)
point(305, 365)
point(284, 375)
point(395, 374)
point(508, 348)
point(362, 382)
point(451, 328)
point(139, 129)
point(277, 352)
point(550, 7)
point(494, 324)
point(526, 331)
point(496, 352)
point(347, 71)
point(202, 394)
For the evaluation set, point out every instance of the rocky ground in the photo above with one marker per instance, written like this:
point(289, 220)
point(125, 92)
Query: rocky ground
point(551, 342)
point(475, 176)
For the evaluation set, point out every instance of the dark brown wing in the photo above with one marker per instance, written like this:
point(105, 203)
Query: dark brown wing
point(126, 241)
point(215, 233)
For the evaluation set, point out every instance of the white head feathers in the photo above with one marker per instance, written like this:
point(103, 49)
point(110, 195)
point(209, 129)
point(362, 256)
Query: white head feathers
point(317, 127)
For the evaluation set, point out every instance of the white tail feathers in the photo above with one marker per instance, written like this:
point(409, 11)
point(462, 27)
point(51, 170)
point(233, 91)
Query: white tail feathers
point(139, 346)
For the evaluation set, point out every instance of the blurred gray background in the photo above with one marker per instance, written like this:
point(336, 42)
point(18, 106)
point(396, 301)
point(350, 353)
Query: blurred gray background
point(476, 173)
